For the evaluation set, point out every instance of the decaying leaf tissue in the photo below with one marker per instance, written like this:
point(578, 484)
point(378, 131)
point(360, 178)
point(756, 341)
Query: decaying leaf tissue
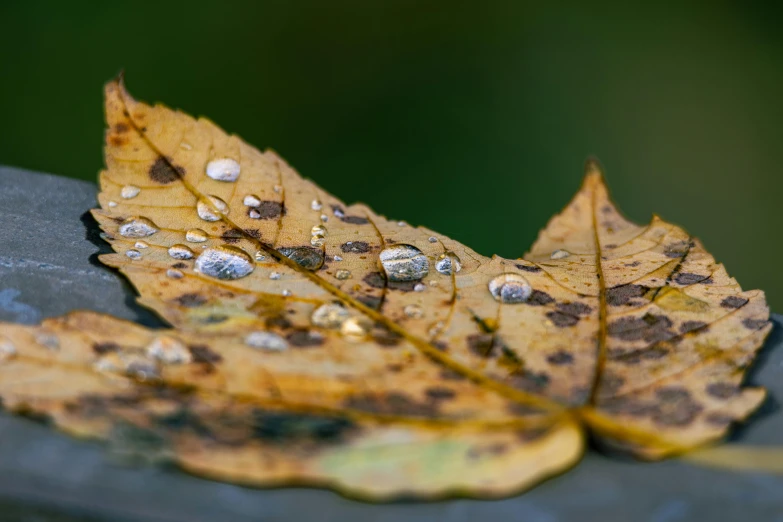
point(314, 342)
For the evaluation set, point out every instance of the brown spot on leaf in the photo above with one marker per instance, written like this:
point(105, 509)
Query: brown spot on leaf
point(560, 358)
point(539, 298)
point(575, 308)
point(483, 344)
point(203, 354)
point(529, 268)
point(267, 209)
point(370, 301)
point(231, 235)
point(533, 382)
point(355, 220)
point(355, 247)
point(754, 324)
point(304, 338)
point(104, 348)
point(162, 171)
point(287, 428)
point(689, 326)
point(722, 390)
point(439, 393)
point(392, 403)
point(191, 300)
point(179, 265)
point(636, 356)
point(121, 128)
point(651, 328)
point(621, 294)
point(733, 301)
point(678, 249)
point(375, 280)
point(688, 278)
point(718, 419)
point(562, 320)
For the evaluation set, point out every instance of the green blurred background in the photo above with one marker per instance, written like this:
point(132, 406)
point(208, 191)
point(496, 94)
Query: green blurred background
point(471, 118)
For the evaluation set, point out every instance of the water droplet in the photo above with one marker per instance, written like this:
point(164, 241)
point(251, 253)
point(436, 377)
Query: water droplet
point(413, 311)
point(211, 209)
point(137, 227)
point(330, 315)
point(278, 189)
point(510, 288)
point(307, 257)
point(140, 367)
point(174, 273)
point(180, 252)
point(401, 223)
point(354, 329)
point(7, 351)
point(433, 239)
point(266, 340)
point(50, 341)
point(419, 287)
point(133, 254)
point(436, 329)
point(338, 258)
point(251, 201)
point(225, 262)
point(110, 362)
point(318, 230)
point(141, 244)
point(559, 254)
point(169, 350)
point(129, 191)
point(448, 263)
point(338, 212)
point(274, 276)
point(224, 169)
point(324, 218)
point(185, 145)
point(316, 205)
point(259, 256)
point(254, 214)
point(342, 274)
point(112, 204)
point(318, 241)
point(106, 237)
point(196, 235)
point(433, 282)
point(404, 263)
point(286, 292)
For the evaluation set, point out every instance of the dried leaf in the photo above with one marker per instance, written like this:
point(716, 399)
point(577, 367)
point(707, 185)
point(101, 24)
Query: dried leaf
point(314, 342)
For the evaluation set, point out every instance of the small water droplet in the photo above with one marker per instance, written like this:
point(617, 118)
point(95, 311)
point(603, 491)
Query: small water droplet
point(342, 274)
point(196, 235)
point(318, 241)
point(448, 263)
point(354, 329)
point(433, 239)
point(106, 237)
point(254, 214)
point(169, 350)
point(180, 252)
point(318, 230)
point(436, 329)
point(330, 315)
point(112, 204)
point(559, 254)
point(129, 191)
point(225, 262)
point(404, 263)
point(338, 212)
point(174, 273)
point(142, 245)
point(401, 223)
point(140, 367)
point(7, 351)
point(223, 169)
point(110, 362)
point(259, 256)
point(133, 254)
point(185, 145)
point(278, 189)
point(251, 201)
point(510, 288)
point(266, 340)
point(274, 276)
point(137, 227)
point(308, 258)
point(324, 218)
point(211, 209)
point(419, 287)
point(316, 205)
point(286, 292)
point(413, 311)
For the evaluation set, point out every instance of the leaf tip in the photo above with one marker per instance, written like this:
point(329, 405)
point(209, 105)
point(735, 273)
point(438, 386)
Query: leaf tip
point(594, 172)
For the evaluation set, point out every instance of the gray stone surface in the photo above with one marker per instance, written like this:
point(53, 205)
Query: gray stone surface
point(45, 270)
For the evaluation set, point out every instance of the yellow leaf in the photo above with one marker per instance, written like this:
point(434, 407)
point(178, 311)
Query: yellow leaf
point(320, 343)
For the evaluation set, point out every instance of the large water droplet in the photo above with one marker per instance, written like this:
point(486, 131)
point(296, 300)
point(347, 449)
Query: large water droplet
point(330, 315)
point(129, 191)
point(306, 257)
point(413, 311)
point(559, 254)
point(448, 263)
point(169, 350)
point(342, 274)
point(133, 254)
point(223, 169)
point(211, 209)
point(251, 201)
point(7, 350)
point(266, 340)
point(510, 288)
point(137, 227)
point(404, 263)
point(180, 252)
point(225, 262)
point(196, 235)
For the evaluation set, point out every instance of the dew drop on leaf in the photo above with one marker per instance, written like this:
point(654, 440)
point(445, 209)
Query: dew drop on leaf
point(419, 287)
point(266, 341)
point(559, 254)
point(129, 191)
point(137, 227)
point(413, 311)
point(225, 262)
point(404, 263)
point(307, 257)
point(274, 276)
point(112, 204)
point(133, 254)
point(286, 292)
point(174, 273)
point(7, 351)
point(510, 288)
point(223, 169)
point(169, 350)
point(315, 205)
point(342, 274)
point(448, 263)
point(251, 201)
point(354, 329)
point(433, 239)
point(329, 315)
point(180, 252)
point(211, 209)
point(259, 256)
point(196, 235)
point(141, 245)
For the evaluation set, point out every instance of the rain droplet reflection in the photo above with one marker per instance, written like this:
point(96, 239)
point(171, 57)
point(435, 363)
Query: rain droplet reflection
point(510, 288)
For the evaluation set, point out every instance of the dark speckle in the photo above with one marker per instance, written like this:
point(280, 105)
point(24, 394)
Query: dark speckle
point(203, 354)
point(678, 410)
point(539, 298)
point(375, 280)
point(232, 235)
point(678, 249)
point(636, 356)
point(529, 268)
point(307, 257)
point(355, 247)
point(191, 300)
point(722, 390)
point(162, 172)
point(393, 403)
point(672, 393)
point(268, 209)
point(719, 419)
point(688, 278)
point(733, 301)
point(621, 294)
point(634, 264)
point(303, 338)
point(484, 344)
point(754, 324)
point(370, 301)
point(530, 381)
point(286, 427)
point(560, 358)
point(439, 393)
point(651, 328)
point(562, 320)
point(451, 375)
point(575, 309)
point(385, 337)
point(611, 383)
point(402, 286)
point(121, 128)
point(104, 348)
point(689, 326)
point(355, 220)
point(179, 265)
